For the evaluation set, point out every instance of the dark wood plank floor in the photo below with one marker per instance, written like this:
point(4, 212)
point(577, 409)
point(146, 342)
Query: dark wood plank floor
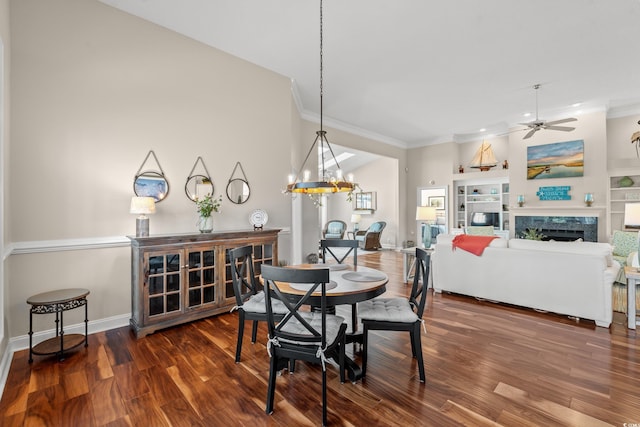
point(486, 364)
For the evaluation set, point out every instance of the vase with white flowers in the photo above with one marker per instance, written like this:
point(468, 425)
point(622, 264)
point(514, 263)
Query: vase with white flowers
point(206, 206)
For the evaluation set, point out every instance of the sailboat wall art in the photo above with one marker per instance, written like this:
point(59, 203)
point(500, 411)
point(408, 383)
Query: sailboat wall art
point(484, 159)
point(557, 160)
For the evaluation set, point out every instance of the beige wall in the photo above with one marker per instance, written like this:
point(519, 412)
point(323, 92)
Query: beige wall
point(5, 48)
point(95, 89)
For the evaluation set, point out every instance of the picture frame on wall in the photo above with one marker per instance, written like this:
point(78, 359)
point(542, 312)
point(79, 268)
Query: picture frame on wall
point(556, 160)
point(436, 202)
point(365, 201)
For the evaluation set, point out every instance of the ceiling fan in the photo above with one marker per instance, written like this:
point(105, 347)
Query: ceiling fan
point(538, 124)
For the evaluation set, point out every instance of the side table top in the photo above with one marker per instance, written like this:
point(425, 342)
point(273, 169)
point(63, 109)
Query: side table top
point(58, 296)
point(631, 272)
point(412, 250)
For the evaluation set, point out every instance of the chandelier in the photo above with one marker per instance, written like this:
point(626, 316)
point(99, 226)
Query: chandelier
point(327, 182)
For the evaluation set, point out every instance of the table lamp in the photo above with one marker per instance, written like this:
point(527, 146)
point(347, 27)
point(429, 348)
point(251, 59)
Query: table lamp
point(427, 214)
point(632, 222)
point(355, 220)
point(142, 206)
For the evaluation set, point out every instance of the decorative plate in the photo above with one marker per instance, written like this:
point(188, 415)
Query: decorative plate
point(258, 218)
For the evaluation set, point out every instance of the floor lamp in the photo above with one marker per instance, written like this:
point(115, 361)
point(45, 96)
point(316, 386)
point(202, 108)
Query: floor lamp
point(427, 215)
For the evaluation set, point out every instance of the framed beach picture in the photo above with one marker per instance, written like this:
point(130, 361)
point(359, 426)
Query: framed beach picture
point(436, 202)
point(557, 160)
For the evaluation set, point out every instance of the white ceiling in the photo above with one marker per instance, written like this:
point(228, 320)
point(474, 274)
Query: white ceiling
point(417, 72)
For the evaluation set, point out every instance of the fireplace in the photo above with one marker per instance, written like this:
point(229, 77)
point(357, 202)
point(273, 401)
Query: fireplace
point(561, 228)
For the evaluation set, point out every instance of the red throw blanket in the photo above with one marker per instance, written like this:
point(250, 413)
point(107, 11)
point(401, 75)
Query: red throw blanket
point(473, 244)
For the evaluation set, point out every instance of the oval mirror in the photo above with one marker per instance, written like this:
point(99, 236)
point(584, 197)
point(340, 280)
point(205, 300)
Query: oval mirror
point(198, 186)
point(151, 184)
point(238, 191)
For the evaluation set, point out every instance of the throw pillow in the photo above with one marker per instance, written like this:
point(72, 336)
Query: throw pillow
point(480, 230)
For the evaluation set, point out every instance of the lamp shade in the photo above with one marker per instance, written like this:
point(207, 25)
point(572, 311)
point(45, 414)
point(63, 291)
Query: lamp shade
point(143, 205)
point(632, 215)
point(355, 218)
point(425, 213)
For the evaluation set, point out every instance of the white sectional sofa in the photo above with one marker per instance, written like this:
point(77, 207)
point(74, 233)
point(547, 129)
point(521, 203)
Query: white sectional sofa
point(569, 278)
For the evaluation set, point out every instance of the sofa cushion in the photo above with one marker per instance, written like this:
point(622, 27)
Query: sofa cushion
point(334, 228)
point(586, 248)
point(624, 242)
point(375, 227)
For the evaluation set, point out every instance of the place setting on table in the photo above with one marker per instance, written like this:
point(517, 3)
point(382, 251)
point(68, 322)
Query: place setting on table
point(348, 284)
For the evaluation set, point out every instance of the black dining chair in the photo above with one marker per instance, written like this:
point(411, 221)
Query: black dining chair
point(399, 314)
point(312, 336)
point(330, 248)
point(250, 301)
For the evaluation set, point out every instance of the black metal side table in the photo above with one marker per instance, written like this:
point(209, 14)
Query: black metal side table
point(58, 302)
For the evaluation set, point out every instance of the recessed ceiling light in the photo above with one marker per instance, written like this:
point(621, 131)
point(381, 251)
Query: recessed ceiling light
point(577, 104)
point(482, 130)
point(527, 114)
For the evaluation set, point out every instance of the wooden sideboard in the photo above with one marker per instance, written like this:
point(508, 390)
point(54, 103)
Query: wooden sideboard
point(179, 278)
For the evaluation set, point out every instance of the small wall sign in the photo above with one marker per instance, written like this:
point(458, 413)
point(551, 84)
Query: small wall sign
point(560, 192)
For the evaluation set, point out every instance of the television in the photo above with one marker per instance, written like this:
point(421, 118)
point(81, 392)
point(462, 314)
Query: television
point(485, 218)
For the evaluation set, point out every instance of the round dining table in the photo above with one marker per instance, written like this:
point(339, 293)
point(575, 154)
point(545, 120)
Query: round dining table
point(348, 285)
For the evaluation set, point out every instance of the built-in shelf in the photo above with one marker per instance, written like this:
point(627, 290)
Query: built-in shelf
point(490, 195)
point(619, 195)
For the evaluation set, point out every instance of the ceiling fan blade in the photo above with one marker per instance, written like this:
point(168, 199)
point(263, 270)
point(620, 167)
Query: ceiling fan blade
point(557, 122)
point(562, 128)
point(530, 133)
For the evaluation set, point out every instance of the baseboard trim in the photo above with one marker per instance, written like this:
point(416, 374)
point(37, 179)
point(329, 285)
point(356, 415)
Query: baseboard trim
point(22, 342)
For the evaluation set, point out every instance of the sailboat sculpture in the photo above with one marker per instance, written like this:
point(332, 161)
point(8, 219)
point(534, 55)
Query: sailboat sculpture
point(484, 158)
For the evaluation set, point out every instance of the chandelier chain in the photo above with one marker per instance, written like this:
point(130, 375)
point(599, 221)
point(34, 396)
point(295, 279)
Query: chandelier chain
point(321, 65)
point(325, 183)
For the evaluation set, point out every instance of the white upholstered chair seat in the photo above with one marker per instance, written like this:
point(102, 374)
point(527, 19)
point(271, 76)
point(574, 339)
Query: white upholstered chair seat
point(256, 304)
point(314, 318)
point(387, 309)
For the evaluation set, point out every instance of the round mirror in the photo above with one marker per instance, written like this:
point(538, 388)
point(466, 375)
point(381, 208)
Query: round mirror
point(198, 186)
point(151, 184)
point(238, 191)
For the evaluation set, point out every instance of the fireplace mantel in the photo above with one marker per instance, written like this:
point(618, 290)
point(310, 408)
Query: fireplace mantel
point(598, 211)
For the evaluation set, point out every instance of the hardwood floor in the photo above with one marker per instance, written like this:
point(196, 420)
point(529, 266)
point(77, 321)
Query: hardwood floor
point(486, 364)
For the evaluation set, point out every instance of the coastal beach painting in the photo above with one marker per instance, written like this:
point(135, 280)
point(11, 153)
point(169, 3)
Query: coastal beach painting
point(557, 160)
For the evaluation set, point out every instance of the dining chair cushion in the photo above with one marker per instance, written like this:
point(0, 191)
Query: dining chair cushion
point(387, 309)
point(256, 304)
point(314, 318)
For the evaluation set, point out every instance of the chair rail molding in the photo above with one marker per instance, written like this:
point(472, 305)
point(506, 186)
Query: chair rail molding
point(37, 246)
